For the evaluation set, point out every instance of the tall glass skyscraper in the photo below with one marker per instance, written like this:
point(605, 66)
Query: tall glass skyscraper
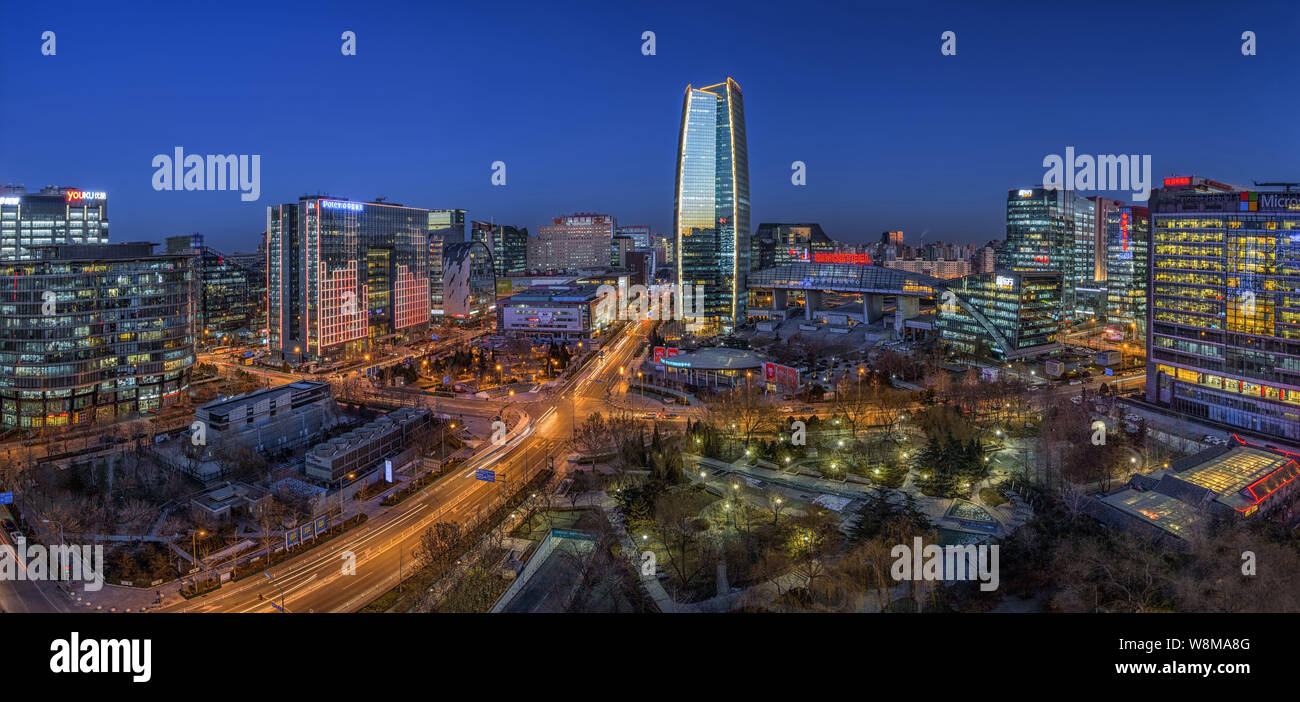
point(711, 209)
point(1128, 236)
point(1052, 230)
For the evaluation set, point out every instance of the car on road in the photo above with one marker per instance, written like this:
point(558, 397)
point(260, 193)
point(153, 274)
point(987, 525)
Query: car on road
point(1077, 399)
point(649, 415)
point(807, 409)
point(671, 416)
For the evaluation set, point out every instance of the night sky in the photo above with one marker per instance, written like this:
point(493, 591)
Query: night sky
point(895, 136)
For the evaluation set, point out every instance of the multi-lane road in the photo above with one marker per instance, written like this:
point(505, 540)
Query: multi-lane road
point(384, 546)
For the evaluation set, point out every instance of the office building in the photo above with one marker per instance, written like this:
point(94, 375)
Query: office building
point(1223, 314)
point(508, 245)
point(224, 302)
point(116, 342)
point(1102, 208)
point(557, 312)
point(639, 233)
point(445, 227)
point(776, 244)
point(572, 243)
point(1052, 230)
point(51, 216)
point(1128, 232)
point(1002, 316)
point(469, 284)
point(711, 203)
point(343, 276)
point(619, 248)
point(269, 421)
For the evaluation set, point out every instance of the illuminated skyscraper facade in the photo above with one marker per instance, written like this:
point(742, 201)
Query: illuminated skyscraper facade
point(1223, 313)
point(711, 208)
point(343, 276)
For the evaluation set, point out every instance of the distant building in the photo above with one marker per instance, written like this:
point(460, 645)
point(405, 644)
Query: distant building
point(938, 269)
point(776, 244)
point(619, 248)
point(509, 246)
point(94, 333)
point(573, 242)
point(49, 217)
point(638, 233)
point(224, 306)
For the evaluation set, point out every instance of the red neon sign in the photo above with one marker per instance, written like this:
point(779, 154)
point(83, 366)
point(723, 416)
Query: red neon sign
point(1179, 180)
point(854, 258)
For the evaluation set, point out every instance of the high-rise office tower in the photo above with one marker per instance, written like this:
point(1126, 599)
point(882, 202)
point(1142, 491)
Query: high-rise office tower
point(1223, 313)
point(342, 275)
point(1102, 208)
point(445, 227)
point(1128, 240)
point(223, 303)
point(51, 216)
point(508, 245)
point(711, 204)
point(1052, 230)
point(640, 233)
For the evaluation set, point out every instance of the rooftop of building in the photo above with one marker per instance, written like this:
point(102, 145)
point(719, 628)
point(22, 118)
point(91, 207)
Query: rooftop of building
point(125, 251)
point(717, 358)
point(257, 395)
point(553, 293)
point(1161, 511)
point(366, 432)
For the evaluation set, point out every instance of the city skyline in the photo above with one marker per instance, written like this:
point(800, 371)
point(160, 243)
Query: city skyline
point(929, 123)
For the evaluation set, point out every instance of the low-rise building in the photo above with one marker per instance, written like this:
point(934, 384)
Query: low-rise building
point(281, 418)
point(389, 438)
point(559, 312)
point(1240, 479)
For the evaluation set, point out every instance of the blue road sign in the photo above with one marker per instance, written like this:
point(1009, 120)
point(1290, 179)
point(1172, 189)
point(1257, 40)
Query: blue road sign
point(6, 498)
point(278, 608)
point(485, 475)
point(1110, 371)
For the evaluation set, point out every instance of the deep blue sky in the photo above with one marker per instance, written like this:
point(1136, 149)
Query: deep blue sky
point(895, 135)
